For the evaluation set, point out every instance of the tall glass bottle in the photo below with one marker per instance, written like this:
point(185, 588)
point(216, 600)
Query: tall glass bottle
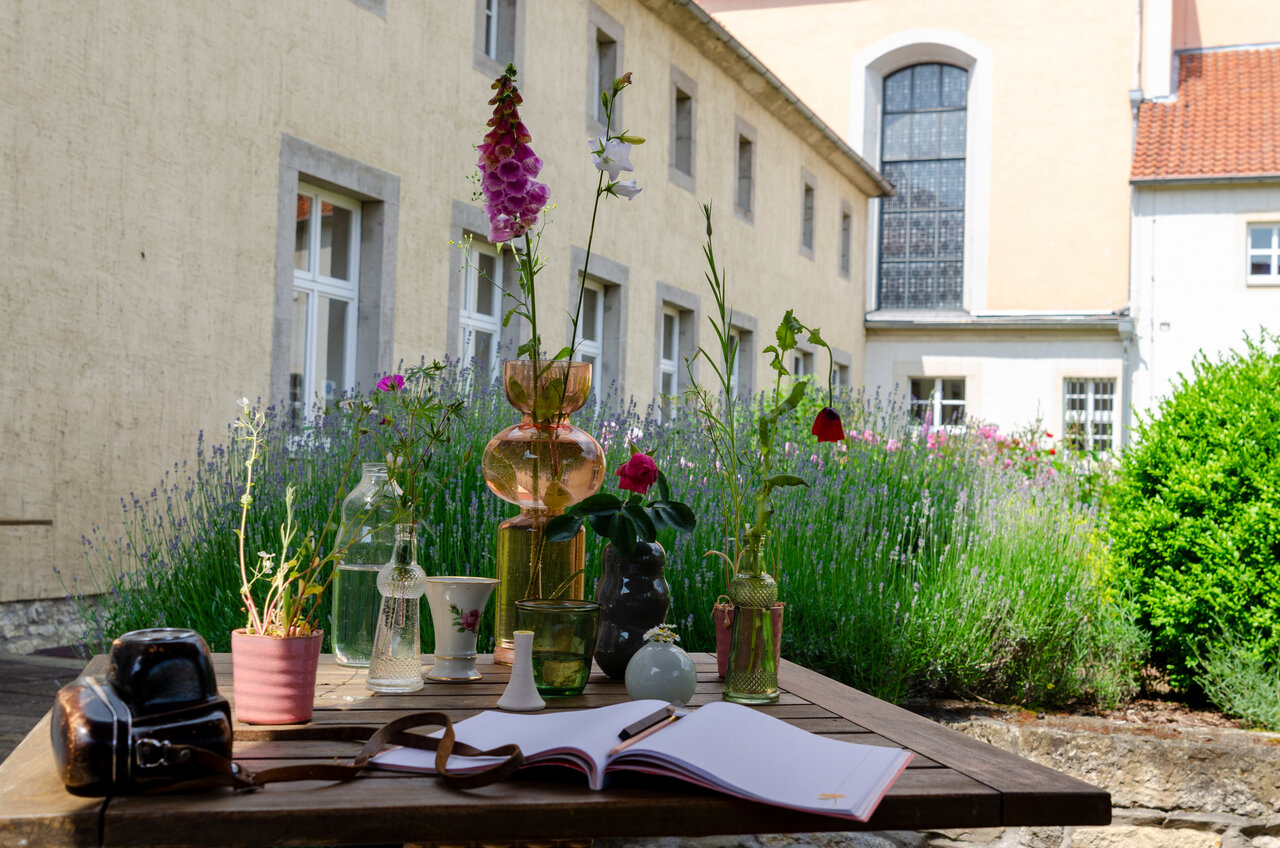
point(752, 676)
point(368, 530)
point(396, 664)
point(542, 465)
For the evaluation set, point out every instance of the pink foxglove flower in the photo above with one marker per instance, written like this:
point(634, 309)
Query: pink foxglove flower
point(508, 165)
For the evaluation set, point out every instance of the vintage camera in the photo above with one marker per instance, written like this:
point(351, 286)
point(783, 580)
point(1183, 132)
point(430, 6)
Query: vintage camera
point(147, 724)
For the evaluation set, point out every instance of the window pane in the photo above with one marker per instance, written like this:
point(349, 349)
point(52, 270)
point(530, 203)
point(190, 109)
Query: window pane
point(606, 70)
point(920, 286)
point(302, 244)
point(897, 136)
point(298, 357)
point(590, 305)
point(893, 285)
point(951, 130)
point(897, 91)
point(925, 135)
point(482, 344)
point(953, 389)
point(926, 87)
point(950, 287)
point(486, 275)
point(955, 87)
point(951, 184)
point(668, 383)
point(896, 174)
point(950, 234)
point(924, 185)
point(924, 234)
point(668, 336)
point(331, 349)
point(1259, 237)
point(952, 414)
point(893, 236)
point(684, 133)
point(1259, 265)
point(335, 241)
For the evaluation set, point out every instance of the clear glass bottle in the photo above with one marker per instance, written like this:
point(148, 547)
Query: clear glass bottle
point(396, 664)
point(368, 530)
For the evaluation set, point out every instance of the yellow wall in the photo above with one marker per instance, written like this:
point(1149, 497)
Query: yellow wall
point(141, 173)
point(1221, 23)
point(1061, 124)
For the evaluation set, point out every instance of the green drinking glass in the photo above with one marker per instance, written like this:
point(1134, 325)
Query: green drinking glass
point(564, 640)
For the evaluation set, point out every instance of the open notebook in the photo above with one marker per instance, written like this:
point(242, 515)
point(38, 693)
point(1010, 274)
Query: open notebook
point(722, 746)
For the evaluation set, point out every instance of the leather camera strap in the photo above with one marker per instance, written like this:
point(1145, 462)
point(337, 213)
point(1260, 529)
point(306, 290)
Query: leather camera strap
point(225, 772)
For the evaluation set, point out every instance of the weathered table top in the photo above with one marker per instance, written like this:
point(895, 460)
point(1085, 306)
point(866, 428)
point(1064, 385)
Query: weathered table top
point(953, 781)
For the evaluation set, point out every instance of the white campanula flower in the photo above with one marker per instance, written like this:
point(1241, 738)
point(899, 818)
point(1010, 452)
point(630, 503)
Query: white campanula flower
point(627, 189)
point(611, 156)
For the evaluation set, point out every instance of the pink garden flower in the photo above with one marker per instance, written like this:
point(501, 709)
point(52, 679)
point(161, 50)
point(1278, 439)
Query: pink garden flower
point(508, 165)
point(638, 473)
point(391, 383)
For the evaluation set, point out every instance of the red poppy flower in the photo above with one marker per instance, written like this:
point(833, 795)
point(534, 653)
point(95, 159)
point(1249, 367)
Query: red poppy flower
point(638, 473)
point(827, 426)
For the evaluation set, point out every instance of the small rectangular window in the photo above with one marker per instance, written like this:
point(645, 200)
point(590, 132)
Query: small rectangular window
point(481, 314)
point(591, 331)
point(746, 155)
point(806, 226)
point(606, 70)
point(497, 35)
point(938, 401)
point(682, 153)
point(1264, 254)
point(1088, 410)
point(846, 242)
point(670, 359)
point(801, 363)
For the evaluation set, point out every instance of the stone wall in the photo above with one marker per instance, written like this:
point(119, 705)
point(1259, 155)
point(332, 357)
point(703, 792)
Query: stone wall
point(28, 626)
point(1171, 787)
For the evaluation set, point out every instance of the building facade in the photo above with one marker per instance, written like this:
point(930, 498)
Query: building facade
point(216, 200)
point(999, 277)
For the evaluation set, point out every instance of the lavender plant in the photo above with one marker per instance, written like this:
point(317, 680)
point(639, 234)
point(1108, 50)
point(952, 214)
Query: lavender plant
point(918, 567)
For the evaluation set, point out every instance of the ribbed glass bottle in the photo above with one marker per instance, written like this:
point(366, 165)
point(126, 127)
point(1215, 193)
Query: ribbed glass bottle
point(752, 675)
point(396, 664)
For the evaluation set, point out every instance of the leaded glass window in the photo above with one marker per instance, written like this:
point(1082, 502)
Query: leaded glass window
point(922, 227)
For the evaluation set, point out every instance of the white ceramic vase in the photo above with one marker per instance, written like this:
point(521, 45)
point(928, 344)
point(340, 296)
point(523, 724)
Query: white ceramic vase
point(457, 604)
point(663, 671)
point(521, 694)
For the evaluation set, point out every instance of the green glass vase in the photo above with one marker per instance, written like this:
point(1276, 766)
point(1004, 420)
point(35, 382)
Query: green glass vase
point(752, 673)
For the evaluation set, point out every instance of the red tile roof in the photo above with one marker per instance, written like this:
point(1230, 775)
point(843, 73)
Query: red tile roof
point(1225, 121)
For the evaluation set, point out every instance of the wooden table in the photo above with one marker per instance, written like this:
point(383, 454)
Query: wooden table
point(953, 781)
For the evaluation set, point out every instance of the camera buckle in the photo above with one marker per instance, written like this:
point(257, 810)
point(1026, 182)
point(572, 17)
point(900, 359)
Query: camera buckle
point(152, 753)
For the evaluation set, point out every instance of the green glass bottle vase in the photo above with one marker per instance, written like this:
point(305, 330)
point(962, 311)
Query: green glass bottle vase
point(752, 674)
point(543, 465)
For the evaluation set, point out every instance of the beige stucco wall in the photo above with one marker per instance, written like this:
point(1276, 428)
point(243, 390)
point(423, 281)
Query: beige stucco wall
point(1221, 23)
point(1060, 124)
point(140, 178)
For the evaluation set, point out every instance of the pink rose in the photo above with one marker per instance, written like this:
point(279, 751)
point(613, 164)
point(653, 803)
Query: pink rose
point(638, 474)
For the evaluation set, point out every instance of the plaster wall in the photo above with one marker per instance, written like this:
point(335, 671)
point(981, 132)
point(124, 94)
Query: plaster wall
point(1221, 23)
point(1191, 293)
point(1060, 124)
point(1012, 379)
point(141, 171)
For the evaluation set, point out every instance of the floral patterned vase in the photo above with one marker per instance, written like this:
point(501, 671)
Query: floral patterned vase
point(542, 465)
point(457, 604)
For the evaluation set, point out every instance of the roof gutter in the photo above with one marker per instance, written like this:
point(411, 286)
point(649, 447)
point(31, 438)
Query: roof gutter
point(1119, 323)
point(1225, 179)
point(825, 140)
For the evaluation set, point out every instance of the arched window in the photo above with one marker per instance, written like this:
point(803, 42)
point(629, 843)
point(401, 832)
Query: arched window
point(923, 126)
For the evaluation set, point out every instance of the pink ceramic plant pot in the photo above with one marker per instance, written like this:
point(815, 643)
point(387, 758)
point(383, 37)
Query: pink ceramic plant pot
point(722, 618)
point(274, 679)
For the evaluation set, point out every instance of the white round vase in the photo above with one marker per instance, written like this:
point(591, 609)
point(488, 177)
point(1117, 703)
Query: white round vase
point(661, 670)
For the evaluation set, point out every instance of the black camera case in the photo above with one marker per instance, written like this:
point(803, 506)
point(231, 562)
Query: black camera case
point(148, 722)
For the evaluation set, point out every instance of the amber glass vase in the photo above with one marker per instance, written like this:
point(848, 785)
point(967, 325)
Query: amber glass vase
point(752, 673)
point(542, 465)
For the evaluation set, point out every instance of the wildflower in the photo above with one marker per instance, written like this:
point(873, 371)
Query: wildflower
point(627, 189)
point(892, 445)
point(391, 383)
point(662, 633)
point(508, 165)
point(638, 473)
point(612, 156)
point(827, 426)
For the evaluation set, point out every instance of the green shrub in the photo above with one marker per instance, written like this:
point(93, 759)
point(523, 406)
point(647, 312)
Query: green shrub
point(1196, 510)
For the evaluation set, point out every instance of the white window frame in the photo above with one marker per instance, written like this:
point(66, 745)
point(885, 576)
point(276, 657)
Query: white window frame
point(470, 318)
point(314, 285)
point(669, 366)
point(808, 212)
point(1272, 254)
point(846, 240)
point(593, 348)
point(937, 403)
point(735, 338)
point(801, 364)
point(1088, 418)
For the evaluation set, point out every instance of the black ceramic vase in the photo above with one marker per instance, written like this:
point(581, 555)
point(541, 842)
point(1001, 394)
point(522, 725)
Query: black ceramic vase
point(633, 597)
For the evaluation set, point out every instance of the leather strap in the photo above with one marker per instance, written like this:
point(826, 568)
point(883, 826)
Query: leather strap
point(224, 772)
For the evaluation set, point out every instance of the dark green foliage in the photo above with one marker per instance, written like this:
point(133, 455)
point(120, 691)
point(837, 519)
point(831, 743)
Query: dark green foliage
point(1196, 511)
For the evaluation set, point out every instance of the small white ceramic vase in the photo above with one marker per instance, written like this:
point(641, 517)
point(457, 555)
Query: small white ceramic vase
point(521, 694)
point(457, 603)
point(663, 671)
